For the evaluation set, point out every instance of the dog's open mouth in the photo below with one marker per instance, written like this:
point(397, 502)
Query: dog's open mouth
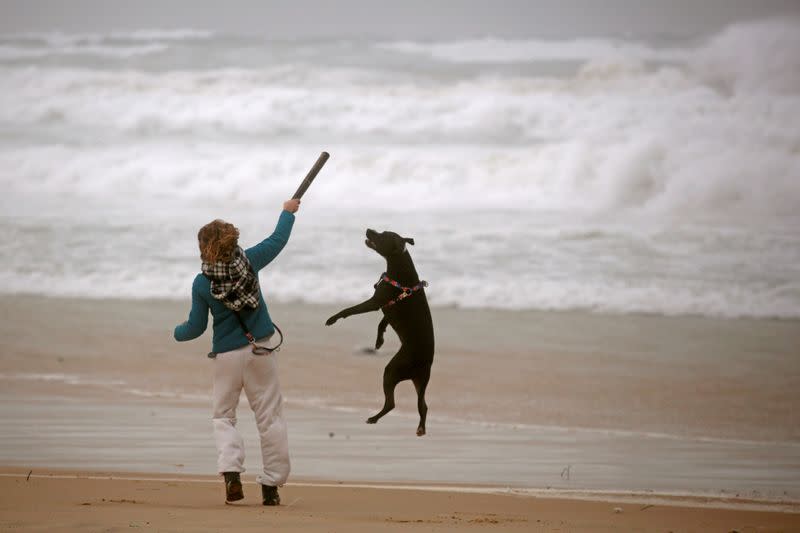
point(369, 242)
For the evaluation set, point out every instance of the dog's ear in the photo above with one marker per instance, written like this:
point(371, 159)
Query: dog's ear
point(409, 241)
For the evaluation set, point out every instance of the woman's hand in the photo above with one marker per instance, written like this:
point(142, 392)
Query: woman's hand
point(292, 205)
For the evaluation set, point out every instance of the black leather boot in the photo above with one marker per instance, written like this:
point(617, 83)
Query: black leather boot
point(270, 495)
point(233, 487)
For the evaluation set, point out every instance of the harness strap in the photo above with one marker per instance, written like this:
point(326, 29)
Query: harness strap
point(407, 291)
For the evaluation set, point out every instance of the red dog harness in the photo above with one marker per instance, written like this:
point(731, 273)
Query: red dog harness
point(407, 291)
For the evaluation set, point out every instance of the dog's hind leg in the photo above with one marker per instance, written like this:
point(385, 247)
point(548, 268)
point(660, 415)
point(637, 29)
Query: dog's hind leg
point(392, 375)
point(421, 383)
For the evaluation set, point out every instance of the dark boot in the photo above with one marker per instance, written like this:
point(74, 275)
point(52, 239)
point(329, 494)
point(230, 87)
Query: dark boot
point(270, 495)
point(233, 487)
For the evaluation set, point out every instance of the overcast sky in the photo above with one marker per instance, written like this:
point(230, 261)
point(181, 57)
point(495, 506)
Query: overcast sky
point(398, 19)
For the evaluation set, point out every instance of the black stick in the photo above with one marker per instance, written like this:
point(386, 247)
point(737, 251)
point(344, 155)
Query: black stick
point(323, 157)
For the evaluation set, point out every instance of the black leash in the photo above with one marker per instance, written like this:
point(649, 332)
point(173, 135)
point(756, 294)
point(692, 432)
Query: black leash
point(259, 350)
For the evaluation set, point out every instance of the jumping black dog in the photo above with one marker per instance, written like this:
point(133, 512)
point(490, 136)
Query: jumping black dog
point(400, 294)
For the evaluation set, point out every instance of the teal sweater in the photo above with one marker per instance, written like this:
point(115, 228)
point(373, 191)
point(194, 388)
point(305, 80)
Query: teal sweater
point(228, 334)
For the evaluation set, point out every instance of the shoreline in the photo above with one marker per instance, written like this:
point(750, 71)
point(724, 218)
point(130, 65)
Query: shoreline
point(447, 308)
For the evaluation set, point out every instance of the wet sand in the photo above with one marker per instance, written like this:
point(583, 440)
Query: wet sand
point(685, 376)
point(143, 435)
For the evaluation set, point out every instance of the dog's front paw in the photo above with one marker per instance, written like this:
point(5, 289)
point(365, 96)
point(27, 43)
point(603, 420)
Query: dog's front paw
point(372, 419)
point(332, 320)
point(379, 343)
point(420, 431)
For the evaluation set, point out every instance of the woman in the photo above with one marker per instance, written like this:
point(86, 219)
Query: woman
point(228, 286)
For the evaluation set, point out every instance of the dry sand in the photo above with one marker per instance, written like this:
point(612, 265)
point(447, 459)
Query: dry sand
point(72, 501)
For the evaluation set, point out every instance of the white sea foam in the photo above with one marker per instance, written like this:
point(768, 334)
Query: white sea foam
point(755, 57)
point(656, 177)
point(639, 179)
point(60, 39)
point(492, 50)
point(119, 45)
point(16, 52)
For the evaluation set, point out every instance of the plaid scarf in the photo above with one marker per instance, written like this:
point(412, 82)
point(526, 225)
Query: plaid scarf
point(234, 283)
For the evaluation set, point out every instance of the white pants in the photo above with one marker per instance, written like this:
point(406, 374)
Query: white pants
point(258, 375)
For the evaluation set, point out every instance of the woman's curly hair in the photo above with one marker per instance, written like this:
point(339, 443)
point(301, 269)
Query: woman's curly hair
point(217, 239)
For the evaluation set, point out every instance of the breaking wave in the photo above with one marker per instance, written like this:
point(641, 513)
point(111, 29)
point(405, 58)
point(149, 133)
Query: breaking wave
point(695, 144)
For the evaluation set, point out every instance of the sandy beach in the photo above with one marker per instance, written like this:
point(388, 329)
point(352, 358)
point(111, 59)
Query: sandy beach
point(603, 204)
point(538, 422)
point(70, 501)
point(78, 501)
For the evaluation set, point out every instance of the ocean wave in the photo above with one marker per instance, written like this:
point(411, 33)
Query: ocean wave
point(18, 53)
point(17, 47)
point(59, 38)
point(472, 259)
point(493, 50)
point(520, 294)
point(660, 179)
point(617, 95)
point(754, 57)
point(744, 57)
point(651, 136)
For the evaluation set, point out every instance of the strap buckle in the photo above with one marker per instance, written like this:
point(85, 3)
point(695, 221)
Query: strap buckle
point(264, 350)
